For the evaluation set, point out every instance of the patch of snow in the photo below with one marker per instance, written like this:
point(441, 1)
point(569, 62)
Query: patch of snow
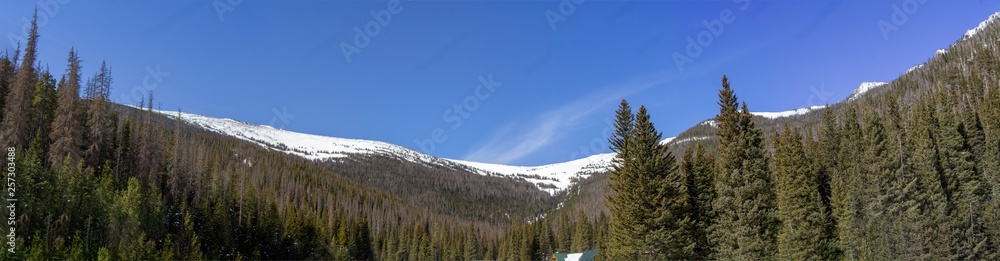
point(561, 175)
point(800, 111)
point(941, 51)
point(710, 123)
point(914, 68)
point(982, 25)
point(865, 87)
point(667, 140)
point(692, 139)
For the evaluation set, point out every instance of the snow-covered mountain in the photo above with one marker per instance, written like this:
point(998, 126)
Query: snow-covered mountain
point(551, 178)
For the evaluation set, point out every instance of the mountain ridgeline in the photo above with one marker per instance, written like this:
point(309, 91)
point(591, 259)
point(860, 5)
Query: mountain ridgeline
point(907, 170)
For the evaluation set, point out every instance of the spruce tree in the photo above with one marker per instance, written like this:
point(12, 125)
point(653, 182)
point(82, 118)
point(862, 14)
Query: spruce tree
point(67, 130)
point(650, 214)
point(44, 107)
point(583, 234)
point(565, 241)
point(16, 127)
point(800, 208)
point(6, 78)
point(963, 187)
point(698, 168)
point(846, 186)
point(878, 166)
point(746, 227)
point(623, 203)
point(101, 120)
point(926, 206)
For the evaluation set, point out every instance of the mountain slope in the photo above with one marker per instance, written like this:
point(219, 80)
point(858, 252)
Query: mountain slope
point(551, 178)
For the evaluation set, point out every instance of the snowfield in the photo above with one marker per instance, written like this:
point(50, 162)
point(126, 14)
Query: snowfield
point(775, 115)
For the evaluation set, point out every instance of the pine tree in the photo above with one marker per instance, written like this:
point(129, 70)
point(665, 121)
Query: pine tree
point(800, 208)
point(623, 204)
point(44, 107)
point(963, 187)
point(192, 248)
point(6, 78)
point(101, 120)
point(566, 233)
point(820, 165)
point(745, 227)
point(472, 244)
point(16, 128)
point(926, 205)
point(67, 130)
point(583, 234)
point(650, 215)
point(878, 170)
point(846, 185)
point(698, 168)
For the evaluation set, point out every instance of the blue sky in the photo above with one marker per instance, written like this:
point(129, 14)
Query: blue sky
point(535, 84)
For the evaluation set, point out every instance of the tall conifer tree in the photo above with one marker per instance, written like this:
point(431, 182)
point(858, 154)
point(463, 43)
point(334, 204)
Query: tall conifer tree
point(800, 208)
point(16, 127)
point(67, 130)
point(745, 227)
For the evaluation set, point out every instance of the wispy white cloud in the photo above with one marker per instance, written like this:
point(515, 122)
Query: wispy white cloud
point(521, 138)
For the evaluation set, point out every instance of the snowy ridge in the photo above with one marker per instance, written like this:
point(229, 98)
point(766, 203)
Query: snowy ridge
point(550, 178)
point(982, 25)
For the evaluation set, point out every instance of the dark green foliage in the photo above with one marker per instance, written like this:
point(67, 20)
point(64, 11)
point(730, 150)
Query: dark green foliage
point(746, 226)
point(699, 171)
point(800, 208)
point(583, 235)
point(650, 212)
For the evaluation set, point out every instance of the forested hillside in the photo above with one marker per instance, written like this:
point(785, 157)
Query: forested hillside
point(97, 180)
point(907, 171)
